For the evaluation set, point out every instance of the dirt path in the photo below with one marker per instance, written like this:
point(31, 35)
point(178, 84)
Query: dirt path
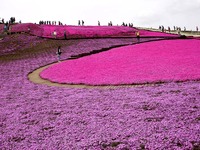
point(35, 78)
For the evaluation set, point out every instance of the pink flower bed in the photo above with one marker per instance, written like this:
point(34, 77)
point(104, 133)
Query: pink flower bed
point(160, 61)
point(99, 31)
point(34, 29)
point(88, 31)
point(84, 31)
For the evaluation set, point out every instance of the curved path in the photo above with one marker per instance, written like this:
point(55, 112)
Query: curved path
point(161, 62)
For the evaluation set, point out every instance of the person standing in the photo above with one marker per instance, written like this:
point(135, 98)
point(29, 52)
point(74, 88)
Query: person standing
point(55, 34)
point(58, 53)
point(5, 28)
point(10, 30)
point(169, 29)
point(179, 31)
point(29, 30)
point(138, 36)
point(65, 35)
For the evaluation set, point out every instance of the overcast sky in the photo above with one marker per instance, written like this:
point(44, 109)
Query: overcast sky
point(143, 13)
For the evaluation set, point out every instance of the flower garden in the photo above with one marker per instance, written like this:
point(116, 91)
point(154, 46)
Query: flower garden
point(136, 116)
point(77, 32)
point(152, 62)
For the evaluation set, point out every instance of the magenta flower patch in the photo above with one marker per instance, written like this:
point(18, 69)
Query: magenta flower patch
point(161, 61)
point(72, 32)
point(99, 31)
point(34, 116)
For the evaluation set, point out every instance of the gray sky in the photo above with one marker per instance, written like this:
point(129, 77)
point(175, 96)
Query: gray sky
point(143, 13)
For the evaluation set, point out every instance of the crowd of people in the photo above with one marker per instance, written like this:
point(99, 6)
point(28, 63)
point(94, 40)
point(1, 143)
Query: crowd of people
point(11, 21)
point(50, 23)
point(110, 23)
point(81, 22)
point(7, 24)
point(126, 25)
point(175, 28)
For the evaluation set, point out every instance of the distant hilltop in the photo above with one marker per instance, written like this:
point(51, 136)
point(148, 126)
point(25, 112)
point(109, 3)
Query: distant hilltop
point(77, 32)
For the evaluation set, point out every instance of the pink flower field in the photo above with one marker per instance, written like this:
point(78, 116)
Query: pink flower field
point(144, 117)
point(74, 32)
point(152, 62)
point(98, 31)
